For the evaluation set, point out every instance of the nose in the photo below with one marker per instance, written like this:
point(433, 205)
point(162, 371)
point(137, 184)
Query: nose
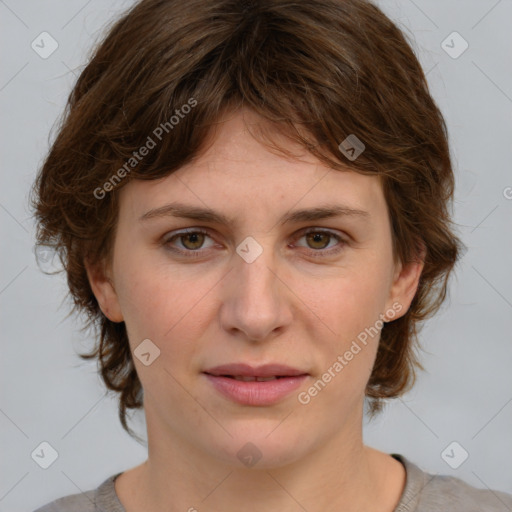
point(255, 298)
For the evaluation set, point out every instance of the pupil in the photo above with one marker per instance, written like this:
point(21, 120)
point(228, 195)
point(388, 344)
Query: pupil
point(317, 238)
point(193, 240)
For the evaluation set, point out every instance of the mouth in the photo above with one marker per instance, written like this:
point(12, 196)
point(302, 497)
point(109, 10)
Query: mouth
point(248, 385)
point(248, 373)
point(248, 378)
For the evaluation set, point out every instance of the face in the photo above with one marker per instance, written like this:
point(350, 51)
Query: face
point(263, 285)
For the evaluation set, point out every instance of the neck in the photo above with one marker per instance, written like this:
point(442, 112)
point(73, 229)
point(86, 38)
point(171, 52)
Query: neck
point(341, 474)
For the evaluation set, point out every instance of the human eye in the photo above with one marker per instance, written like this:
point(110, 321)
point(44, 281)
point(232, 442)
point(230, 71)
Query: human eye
point(191, 240)
point(320, 239)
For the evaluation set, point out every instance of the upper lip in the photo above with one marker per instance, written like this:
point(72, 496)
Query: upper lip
point(245, 370)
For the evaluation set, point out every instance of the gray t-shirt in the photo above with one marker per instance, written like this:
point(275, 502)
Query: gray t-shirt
point(423, 492)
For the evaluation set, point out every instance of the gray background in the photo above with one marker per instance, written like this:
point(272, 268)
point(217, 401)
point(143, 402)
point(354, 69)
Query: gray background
point(49, 394)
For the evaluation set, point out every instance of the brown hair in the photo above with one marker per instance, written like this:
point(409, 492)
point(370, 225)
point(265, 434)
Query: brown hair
point(318, 70)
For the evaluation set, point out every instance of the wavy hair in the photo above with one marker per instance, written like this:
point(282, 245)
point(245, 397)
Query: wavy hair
point(318, 71)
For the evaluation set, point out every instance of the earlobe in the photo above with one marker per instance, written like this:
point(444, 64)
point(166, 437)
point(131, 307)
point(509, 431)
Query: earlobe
point(406, 281)
point(103, 288)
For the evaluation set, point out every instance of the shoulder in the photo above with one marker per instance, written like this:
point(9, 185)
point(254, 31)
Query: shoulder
point(449, 491)
point(426, 492)
point(102, 498)
point(82, 502)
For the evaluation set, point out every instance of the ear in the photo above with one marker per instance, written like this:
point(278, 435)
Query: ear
point(103, 288)
point(405, 284)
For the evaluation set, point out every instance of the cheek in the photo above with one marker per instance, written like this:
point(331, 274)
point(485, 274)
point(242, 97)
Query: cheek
point(347, 337)
point(350, 303)
point(166, 307)
point(346, 341)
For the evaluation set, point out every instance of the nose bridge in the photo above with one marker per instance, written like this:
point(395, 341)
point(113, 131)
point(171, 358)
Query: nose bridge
point(253, 272)
point(256, 282)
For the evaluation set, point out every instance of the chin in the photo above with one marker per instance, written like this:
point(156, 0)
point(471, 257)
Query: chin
point(261, 448)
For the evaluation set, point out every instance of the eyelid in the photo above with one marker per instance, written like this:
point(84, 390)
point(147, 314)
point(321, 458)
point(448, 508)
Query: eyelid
point(318, 229)
point(185, 231)
point(342, 240)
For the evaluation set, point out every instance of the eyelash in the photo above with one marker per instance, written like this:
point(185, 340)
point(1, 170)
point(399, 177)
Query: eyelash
point(199, 253)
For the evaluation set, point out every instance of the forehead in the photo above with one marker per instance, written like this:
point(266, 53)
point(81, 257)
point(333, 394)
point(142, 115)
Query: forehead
point(237, 174)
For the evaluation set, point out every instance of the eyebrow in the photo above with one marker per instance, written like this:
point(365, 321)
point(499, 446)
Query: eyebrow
point(185, 211)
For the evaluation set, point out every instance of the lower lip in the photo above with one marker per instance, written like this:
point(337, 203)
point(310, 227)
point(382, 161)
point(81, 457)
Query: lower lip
point(254, 392)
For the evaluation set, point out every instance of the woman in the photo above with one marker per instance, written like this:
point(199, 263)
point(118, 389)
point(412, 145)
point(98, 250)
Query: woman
point(252, 203)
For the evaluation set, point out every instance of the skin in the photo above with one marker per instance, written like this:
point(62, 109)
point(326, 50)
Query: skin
point(287, 306)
